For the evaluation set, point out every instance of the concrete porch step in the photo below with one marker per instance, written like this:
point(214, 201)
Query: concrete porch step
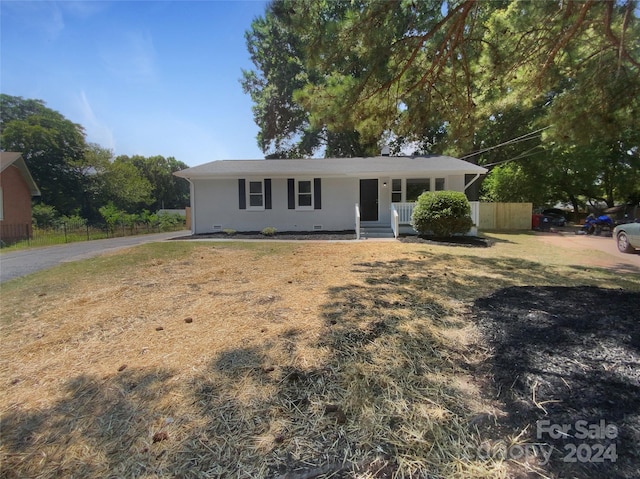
point(370, 232)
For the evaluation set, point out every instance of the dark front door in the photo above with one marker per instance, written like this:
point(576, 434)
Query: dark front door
point(369, 200)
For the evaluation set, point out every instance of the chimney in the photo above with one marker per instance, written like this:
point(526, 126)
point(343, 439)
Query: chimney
point(385, 151)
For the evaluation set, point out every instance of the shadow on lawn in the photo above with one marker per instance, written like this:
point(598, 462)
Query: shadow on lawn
point(87, 433)
point(386, 392)
point(564, 355)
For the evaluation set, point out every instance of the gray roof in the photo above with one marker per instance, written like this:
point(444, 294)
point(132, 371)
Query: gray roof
point(345, 167)
point(8, 158)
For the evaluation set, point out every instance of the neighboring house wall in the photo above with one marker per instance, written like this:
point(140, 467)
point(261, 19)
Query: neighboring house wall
point(15, 205)
point(16, 197)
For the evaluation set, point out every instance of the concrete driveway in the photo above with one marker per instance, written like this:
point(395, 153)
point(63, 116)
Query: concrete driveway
point(20, 263)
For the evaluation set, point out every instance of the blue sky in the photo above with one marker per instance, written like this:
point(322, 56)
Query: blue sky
point(142, 77)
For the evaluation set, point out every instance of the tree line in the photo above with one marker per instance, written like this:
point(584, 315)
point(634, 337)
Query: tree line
point(555, 83)
point(82, 179)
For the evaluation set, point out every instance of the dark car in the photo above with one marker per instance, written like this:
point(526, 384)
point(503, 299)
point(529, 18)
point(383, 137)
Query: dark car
point(554, 217)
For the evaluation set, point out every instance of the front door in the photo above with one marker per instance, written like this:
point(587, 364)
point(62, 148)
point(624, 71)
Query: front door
point(369, 200)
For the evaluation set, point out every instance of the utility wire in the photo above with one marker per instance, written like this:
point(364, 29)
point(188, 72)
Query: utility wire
point(525, 137)
point(524, 154)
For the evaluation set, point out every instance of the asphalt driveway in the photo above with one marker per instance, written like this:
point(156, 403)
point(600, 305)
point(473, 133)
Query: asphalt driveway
point(20, 263)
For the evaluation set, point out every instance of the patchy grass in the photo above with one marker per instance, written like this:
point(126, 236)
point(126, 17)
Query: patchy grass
point(260, 359)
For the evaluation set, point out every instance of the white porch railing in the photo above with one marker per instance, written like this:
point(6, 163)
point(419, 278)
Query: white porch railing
point(357, 221)
point(395, 221)
point(404, 212)
point(475, 216)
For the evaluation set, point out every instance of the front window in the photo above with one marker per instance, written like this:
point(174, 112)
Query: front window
point(396, 191)
point(256, 195)
point(439, 184)
point(305, 194)
point(417, 186)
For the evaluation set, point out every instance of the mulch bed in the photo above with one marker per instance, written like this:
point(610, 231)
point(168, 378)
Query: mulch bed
point(285, 235)
point(564, 355)
point(468, 241)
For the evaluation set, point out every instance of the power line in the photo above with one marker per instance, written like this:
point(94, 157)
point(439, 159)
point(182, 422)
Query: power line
point(526, 137)
point(524, 154)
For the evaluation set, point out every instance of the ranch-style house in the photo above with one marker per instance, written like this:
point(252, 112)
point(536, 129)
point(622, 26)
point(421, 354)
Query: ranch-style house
point(328, 194)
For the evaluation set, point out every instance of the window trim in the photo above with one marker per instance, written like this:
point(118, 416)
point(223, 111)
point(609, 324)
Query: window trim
point(249, 194)
point(297, 193)
point(400, 191)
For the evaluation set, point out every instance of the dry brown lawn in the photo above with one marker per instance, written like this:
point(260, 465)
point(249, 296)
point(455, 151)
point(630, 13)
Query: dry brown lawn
point(290, 360)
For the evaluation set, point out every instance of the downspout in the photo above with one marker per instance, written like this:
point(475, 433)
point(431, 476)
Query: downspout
point(473, 180)
point(192, 191)
point(475, 211)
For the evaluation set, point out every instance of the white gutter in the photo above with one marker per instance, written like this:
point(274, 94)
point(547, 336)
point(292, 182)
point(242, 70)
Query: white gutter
point(473, 180)
point(192, 203)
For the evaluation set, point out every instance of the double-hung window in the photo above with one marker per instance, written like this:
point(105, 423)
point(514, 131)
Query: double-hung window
point(440, 184)
point(304, 194)
point(256, 194)
point(396, 191)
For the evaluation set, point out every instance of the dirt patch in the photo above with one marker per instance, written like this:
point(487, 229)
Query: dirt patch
point(570, 357)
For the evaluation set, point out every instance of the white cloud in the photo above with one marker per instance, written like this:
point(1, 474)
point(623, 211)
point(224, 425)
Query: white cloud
point(41, 18)
point(47, 18)
point(83, 9)
point(97, 131)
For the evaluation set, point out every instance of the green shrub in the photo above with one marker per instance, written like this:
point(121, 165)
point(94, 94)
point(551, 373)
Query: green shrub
point(229, 231)
point(73, 221)
point(442, 213)
point(170, 221)
point(269, 231)
point(44, 216)
point(111, 215)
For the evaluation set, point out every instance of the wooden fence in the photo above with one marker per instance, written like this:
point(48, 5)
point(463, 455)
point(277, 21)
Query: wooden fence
point(505, 216)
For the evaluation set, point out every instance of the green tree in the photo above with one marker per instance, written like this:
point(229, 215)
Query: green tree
point(286, 128)
point(167, 190)
point(53, 148)
point(457, 77)
point(125, 187)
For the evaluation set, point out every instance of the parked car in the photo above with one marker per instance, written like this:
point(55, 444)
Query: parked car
point(627, 237)
point(623, 213)
point(553, 217)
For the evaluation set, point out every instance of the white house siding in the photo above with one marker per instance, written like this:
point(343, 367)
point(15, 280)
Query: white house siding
point(455, 183)
point(215, 205)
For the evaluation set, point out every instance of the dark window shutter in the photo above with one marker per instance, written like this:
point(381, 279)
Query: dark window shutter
point(291, 193)
point(317, 194)
point(267, 194)
point(242, 194)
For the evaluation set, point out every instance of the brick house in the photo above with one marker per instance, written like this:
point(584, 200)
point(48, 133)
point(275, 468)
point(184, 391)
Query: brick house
point(16, 190)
